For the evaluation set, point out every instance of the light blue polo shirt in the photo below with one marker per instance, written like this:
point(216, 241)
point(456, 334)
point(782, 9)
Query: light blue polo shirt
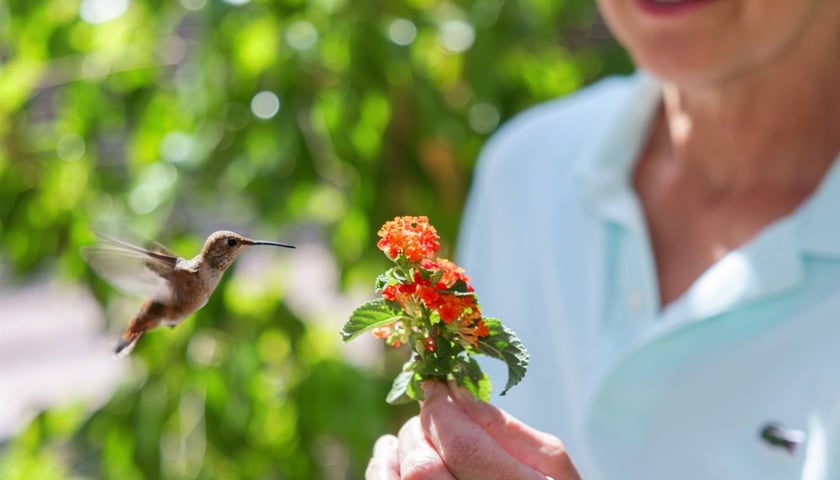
point(555, 241)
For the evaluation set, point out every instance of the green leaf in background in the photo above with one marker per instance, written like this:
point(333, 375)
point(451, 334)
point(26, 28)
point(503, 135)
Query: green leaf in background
point(308, 121)
point(368, 316)
point(504, 345)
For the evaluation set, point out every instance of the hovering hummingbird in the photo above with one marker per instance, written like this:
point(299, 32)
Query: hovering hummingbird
point(175, 287)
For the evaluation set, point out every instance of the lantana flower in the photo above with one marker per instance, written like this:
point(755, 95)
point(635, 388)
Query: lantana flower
point(411, 237)
point(429, 304)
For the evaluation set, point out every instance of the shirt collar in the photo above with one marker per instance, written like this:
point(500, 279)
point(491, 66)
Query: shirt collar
point(604, 171)
point(770, 263)
point(817, 228)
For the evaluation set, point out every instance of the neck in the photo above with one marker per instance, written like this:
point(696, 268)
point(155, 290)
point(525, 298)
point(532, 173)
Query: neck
point(777, 125)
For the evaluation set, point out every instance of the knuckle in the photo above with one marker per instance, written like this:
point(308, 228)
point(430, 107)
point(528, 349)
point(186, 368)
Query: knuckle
point(410, 426)
point(553, 446)
point(422, 467)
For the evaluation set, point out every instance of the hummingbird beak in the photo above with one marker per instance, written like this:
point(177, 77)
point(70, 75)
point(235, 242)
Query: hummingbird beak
point(276, 244)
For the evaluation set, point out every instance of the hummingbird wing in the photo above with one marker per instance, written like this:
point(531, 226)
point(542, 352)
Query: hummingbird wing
point(133, 269)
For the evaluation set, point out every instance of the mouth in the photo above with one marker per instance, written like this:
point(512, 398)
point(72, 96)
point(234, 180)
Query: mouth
point(671, 7)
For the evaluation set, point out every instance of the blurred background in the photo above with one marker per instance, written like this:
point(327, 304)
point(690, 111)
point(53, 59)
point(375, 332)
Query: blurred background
point(302, 121)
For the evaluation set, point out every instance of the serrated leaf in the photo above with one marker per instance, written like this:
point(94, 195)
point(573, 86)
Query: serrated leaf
point(503, 344)
point(368, 316)
point(469, 375)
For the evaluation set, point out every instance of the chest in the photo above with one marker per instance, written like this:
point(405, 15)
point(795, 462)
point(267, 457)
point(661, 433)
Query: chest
point(192, 287)
point(691, 227)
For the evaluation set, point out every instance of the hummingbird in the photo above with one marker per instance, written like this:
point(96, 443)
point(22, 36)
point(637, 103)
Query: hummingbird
point(174, 287)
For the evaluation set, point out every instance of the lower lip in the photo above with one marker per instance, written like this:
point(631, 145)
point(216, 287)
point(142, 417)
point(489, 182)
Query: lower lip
point(658, 8)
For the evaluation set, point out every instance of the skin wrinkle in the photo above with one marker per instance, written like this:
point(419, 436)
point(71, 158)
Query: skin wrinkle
point(541, 450)
point(463, 445)
point(421, 460)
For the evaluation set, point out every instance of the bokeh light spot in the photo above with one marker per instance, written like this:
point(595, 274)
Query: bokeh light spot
point(177, 147)
point(70, 147)
point(154, 187)
point(301, 35)
point(483, 117)
point(265, 104)
point(457, 36)
point(402, 32)
point(101, 11)
point(193, 4)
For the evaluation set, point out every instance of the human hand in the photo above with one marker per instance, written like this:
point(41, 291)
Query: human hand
point(458, 437)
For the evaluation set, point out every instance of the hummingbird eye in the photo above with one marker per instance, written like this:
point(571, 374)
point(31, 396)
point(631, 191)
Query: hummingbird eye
point(231, 242)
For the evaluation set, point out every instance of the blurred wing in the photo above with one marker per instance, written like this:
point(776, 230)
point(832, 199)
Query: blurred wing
point(130, 268)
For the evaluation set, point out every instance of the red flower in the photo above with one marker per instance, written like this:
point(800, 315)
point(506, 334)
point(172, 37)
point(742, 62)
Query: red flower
point(412, 237)
point(416, 240)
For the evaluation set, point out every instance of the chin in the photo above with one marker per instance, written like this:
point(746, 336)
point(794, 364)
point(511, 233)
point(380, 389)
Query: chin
point(683, 66)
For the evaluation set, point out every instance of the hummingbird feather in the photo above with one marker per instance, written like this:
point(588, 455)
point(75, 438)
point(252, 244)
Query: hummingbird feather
point(132, 269)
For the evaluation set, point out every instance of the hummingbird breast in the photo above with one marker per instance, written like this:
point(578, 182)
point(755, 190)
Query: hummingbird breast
point(191, 288)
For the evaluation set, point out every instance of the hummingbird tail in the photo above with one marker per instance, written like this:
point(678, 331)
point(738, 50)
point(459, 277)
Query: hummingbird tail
point(127, 342)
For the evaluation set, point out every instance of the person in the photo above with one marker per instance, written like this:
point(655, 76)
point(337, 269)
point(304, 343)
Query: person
point(667, 246)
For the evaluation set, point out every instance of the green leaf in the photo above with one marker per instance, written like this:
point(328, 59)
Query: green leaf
point(393, 275)
point(415, 391)
point(406, 386)
point(504, 345)
point(381, 282)
point(469, 375)
point(435, 277)
point(375, 313)
point(460, 287)
point(398, 394)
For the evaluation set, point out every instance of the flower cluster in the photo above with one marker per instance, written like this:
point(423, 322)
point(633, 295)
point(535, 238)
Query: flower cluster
point(429, 304)
point(437, 287)
point(411, 237)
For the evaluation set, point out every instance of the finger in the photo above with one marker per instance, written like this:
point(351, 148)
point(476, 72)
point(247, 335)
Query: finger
point(541, 450)
point(385, 462)
point(418, 458)
point(467, 450)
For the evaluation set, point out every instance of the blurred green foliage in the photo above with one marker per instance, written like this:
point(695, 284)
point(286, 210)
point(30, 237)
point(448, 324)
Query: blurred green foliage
point(306, 119)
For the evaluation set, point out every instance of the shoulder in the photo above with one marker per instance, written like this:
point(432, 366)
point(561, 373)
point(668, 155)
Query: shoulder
point(555, 131)
point(527, 170)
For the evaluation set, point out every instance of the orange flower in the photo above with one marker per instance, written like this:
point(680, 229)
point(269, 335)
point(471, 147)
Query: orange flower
point(458, 306)
point(394, 334)
point(452, 273)
point(471, 331)
point(382, 332)
point(410, 236)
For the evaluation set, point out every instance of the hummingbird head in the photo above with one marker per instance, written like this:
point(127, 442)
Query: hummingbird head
point(221, 248)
